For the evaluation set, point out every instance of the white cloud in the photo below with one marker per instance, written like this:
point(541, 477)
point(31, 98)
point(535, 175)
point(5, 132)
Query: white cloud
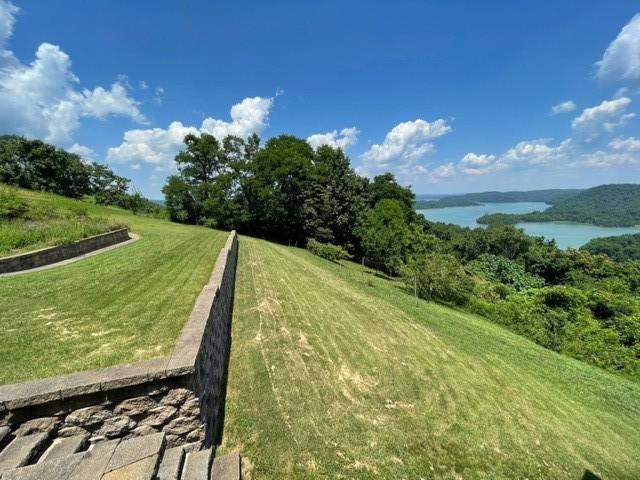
point(143, 85)
point(403, 146)
point(41, 99)
point(248, 116)
point(603, 159)
point(100, 103)
point(156, 146)
point(85, 152)
point(535, 152)
point(603, 118)
point(563, 107)
point(440, 172)
point(621, 60)
point(159, 146)
point(346, 138)
point(474, 164)
point(628, 145)
point(8, 13)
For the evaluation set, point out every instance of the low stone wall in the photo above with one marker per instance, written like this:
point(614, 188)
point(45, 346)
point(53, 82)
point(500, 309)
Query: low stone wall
point(47, 256)
point(181, 395)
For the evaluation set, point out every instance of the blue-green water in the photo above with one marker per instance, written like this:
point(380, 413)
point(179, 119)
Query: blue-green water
point(566, 235)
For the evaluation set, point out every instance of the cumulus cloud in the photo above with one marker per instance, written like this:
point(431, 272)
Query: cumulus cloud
point(603, 118)
point(403, 146)
point(563, 107)
point(41, 99)
point(475, 164)
point(159, 146)
point(346, 138)
point(248, 116)
point(85, 152)
point(620, 151)
point(621, 60)
point(535, 152)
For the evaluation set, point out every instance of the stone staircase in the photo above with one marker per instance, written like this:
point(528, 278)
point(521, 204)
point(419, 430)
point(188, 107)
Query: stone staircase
point(35, 457)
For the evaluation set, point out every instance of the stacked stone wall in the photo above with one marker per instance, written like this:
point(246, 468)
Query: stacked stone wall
point(181, 395)
point(47, 256)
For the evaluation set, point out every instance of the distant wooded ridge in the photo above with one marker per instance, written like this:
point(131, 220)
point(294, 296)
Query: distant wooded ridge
point(550, 196)
point(607, 205)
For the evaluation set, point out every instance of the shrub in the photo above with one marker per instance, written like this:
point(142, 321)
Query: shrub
point(327, 250)
point(439, 277)
point(11, 206)
point(508, 272)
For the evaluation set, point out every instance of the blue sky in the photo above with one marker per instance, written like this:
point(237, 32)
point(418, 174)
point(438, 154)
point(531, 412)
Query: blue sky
point(450, 96)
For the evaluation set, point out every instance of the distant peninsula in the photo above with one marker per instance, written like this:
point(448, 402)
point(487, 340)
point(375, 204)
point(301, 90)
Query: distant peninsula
point(607, 206)
point(550, 196)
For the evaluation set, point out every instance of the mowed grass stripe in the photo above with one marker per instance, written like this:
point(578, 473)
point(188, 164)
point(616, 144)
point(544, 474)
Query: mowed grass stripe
point(124, 305)
point(336, 373)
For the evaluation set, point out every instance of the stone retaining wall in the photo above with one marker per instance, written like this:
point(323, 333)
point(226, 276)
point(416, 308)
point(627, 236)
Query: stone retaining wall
point(181, 395)
point(47, 256)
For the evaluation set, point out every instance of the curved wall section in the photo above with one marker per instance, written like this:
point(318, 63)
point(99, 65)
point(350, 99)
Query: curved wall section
point(47, 256)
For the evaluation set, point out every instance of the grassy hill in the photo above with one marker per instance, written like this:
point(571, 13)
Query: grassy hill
point(338, 373)
point(550, 196)
point(607, 205)
point(119, 306)
point(27, 225)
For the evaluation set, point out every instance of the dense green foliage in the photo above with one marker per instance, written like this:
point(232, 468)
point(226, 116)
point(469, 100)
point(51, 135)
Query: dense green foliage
point(36, 165)
point(285, 190)
point(550, 196)
point(291, 193)
point(439, 277)
point(606, 205)
point(328, 251)
point(502, 270)
point(25, 225)
point(623, 247)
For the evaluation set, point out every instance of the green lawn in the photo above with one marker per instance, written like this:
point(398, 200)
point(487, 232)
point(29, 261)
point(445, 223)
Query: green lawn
point(120, 306)
point(335, 373)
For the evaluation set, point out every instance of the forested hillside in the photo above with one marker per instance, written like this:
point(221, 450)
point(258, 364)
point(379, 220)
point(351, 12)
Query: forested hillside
point(607, 205)
point(623, 247)
point(550, 196)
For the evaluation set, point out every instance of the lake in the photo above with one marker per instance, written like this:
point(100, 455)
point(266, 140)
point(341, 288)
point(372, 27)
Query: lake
point(566, 235)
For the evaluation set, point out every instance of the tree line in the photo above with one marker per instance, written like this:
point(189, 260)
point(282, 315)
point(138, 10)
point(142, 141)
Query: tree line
point(37, 165)
point(579, 303)
point(574, 302)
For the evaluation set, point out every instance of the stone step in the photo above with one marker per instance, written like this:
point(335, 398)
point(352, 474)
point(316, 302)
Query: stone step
point(21, 450)
point(197, 465)
point(63, 447)
point(55, 469)
point(136, 449)
point(226, 467)
point(95, 461)
point(144, 469)
point(171, 464)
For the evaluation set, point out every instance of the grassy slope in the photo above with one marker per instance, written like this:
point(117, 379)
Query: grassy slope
point(45, 224)
point(340, 374)
point(119, 306)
